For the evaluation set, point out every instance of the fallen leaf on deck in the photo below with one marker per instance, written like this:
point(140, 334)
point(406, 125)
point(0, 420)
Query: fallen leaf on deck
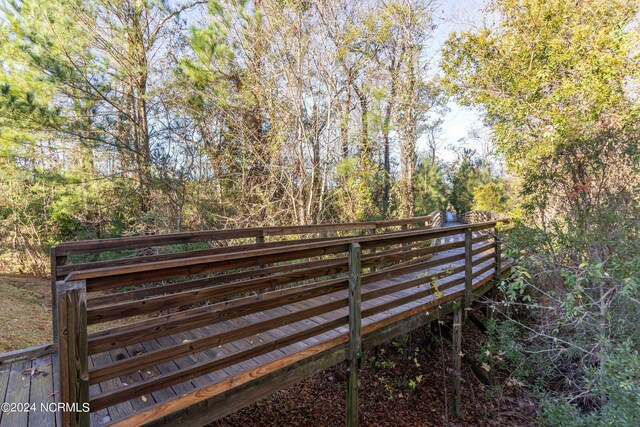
point(32, 371)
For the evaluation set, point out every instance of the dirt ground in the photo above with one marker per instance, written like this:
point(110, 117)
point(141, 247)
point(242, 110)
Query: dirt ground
point(25, 312)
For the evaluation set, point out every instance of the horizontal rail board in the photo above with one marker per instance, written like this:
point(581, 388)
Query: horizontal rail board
point(65, 269)
point(136, 242)
point(28, 353)
point(107, 278)
point(119, 336)
point(202, 283)
point(170, 353)
point(368, 260)
point(148, 305)
point(216, 313)
point(133, 308)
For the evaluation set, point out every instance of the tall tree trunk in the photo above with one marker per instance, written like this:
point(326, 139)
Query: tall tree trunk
point(387, 163)
point(344, 124)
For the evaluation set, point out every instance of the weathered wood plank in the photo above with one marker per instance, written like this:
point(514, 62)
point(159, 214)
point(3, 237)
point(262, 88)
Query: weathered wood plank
point(355, 336)
point(5, 372)
point(54, 305)
point(55, 359)
point(27, 353)
point(73, 351)
point(41, 391)
point(17, 392)
point(101, 417)
point(456, 353)
point(497, 251)
point(468, 263)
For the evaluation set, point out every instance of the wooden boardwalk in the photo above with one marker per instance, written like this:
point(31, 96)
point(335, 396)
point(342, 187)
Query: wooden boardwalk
point(291, 341)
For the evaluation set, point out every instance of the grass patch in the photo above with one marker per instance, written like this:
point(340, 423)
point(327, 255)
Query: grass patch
point(25, 312)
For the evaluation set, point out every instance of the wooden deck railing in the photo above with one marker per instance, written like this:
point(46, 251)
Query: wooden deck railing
point(105, 305)
point(68, 257)
point(472, 217)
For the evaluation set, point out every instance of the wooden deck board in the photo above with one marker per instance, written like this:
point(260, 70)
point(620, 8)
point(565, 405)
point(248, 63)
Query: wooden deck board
point(56, 385)
point(138, 403)
point(17, 392)
point(101, 417)
point(149, 372)
point(41, 391)
point(185, 362)
point(115, 411)
point(5, 371)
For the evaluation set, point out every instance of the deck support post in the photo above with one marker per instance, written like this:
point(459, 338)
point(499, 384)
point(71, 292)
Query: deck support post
point(456, 356)
point(259, 241)
point(73, 351)
point(404, 227)
point(468, 267)
point(373, 250)
point(55, 260)
point(54, 293)
point(355, 338)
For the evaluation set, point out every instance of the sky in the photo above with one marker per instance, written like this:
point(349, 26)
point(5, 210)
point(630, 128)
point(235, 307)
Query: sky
point(450, 16)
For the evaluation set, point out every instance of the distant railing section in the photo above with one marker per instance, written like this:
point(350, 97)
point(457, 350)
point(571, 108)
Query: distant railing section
point(438, 219)
point(473, 217)
point(107, 305)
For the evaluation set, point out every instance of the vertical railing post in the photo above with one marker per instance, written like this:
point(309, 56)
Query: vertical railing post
point(55, 262)
point(73, 352)
point(456, 356)
point(498, 253)
point(54, 293)
point(373, 250)
point(355, 338)
point(468, 267)
point(259, 241)
point(404, 227)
